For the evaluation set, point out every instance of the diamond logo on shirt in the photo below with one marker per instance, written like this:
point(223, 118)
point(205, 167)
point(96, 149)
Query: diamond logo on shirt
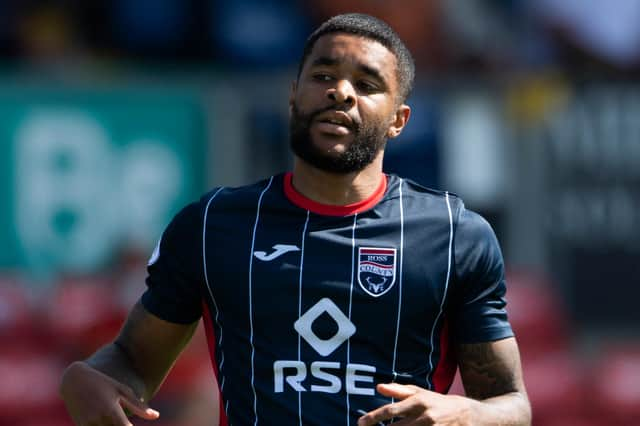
point(324, 347)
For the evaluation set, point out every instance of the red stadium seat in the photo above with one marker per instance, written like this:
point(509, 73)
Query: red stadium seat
point(84, 315)
point(561, 419)
point(29, 386)
point(536, 313)
point(555, 385)
point(61, 420)
point(615, 382)
point(17, 323)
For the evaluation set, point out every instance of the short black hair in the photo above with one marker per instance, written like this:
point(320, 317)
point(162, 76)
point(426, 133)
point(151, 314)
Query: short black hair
point(373, 28)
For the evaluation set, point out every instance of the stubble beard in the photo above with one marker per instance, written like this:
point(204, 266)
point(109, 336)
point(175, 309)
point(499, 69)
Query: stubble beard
point(368, 141)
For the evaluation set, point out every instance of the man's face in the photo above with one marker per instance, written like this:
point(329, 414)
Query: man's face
point(344, 104)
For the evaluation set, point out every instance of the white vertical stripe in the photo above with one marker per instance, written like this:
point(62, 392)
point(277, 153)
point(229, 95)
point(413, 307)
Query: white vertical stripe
point(353, 262)
point(395, 346)
point(206, 279)
point(253, 349)
point(304, 231)
point(446, 286)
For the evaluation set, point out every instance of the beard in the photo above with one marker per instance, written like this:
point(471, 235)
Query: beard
point(368, 141)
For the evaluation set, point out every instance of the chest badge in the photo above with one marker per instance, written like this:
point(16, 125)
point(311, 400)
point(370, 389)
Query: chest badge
point(376, 270)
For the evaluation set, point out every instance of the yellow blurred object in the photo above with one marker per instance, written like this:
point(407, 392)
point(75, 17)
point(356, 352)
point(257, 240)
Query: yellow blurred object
point(533, 97)
point(47, 32)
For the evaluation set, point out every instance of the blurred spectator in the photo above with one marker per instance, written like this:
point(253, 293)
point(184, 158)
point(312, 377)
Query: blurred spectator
point(480, 34)
point(8, 29)
point(47, 33)
point(257, 32)
point(144, 25)
point(604, 31)
point(418, 22)
point(145, 29)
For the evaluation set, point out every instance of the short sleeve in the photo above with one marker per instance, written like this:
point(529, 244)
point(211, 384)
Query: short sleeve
point(175, 272)
point(479, 304)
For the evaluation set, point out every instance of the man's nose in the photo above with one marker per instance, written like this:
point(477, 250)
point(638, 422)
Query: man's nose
point(342, 93)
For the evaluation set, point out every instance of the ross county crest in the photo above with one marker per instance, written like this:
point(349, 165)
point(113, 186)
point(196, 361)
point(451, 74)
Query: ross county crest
point(376, 270)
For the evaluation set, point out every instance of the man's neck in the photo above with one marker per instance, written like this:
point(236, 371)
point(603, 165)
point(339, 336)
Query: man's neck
point(336, 189)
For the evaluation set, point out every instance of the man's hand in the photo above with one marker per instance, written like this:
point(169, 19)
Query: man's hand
point(95, 399)
point(417, 406)
point(121, 376)
point(492, 378)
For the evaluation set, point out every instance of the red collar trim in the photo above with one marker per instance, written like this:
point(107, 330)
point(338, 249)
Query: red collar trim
point(330, 210)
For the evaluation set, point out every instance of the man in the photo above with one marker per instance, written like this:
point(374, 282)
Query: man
point(333, 294)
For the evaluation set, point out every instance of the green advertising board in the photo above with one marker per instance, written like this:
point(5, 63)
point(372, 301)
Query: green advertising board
point(84, 174)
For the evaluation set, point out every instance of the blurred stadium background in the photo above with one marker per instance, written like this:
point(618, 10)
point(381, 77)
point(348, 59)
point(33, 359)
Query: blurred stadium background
point(113, 114)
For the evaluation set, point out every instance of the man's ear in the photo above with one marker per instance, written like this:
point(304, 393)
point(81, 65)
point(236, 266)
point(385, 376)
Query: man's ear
point(403, 112)
point(292, 95)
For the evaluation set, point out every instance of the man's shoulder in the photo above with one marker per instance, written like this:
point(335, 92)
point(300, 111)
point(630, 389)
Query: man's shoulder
point(411, 188)
point(237, 195)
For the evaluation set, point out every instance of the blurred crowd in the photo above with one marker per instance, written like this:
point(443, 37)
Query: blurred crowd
point(514, 99)
point(490, 37)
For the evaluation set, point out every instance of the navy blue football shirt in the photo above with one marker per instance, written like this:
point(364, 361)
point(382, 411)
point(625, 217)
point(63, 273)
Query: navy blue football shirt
point(307, 306)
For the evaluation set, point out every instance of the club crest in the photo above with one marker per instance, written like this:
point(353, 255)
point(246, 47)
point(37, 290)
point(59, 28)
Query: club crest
point(376, 270)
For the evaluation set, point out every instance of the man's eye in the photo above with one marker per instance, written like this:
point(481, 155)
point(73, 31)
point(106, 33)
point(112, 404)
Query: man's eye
point(365, 86)
point(322, 77)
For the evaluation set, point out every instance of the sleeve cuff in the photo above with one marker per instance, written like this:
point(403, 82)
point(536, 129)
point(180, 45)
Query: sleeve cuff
point(166, 311)
point(488, 334)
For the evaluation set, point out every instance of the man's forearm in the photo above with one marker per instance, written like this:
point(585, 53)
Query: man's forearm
point(122, 376)
point(511, 409)
point(114, 361)
point(143, 352)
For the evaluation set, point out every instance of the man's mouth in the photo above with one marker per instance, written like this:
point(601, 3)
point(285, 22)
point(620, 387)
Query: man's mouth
point(335, 123)
point(333, 128)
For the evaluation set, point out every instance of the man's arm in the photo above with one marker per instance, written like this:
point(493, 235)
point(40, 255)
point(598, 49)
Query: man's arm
point(125, 373)
point(492, 377)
